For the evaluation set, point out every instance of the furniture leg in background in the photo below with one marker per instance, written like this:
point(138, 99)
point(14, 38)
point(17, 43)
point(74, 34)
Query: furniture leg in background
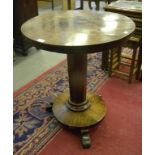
point(22, 11)
point(68, 4)
point(139, 64)
point(105, 62)
point(52, 4)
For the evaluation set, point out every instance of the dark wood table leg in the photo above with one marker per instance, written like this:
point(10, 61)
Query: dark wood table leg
point(77, 69)
point(69, 4)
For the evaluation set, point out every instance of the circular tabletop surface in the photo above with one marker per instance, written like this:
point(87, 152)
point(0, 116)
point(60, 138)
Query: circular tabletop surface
point(71, 31)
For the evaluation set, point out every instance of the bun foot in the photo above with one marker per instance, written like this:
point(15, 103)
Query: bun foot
point(86, 141)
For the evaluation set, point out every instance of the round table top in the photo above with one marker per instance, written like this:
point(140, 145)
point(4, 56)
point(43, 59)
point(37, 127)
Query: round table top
point(77, 31)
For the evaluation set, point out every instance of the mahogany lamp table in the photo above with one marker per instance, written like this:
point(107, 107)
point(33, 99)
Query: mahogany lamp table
point(77, 33)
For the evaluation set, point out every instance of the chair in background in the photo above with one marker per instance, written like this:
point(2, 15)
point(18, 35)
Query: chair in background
point(118, 61)
point(124, 64)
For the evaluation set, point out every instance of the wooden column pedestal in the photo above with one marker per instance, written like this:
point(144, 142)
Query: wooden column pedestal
point(76, 108)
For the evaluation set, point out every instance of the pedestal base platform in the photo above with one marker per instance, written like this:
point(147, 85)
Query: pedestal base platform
point(81, 119)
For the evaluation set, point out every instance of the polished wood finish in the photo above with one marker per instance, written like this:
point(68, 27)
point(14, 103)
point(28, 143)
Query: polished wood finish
point(82, 31)
point(22, 11)
point(77, 82)
point(77, 74)
point(82, 119)
point(77, 33)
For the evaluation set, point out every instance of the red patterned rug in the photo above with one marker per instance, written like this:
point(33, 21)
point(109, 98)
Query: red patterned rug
point(33, 125)
point(120, 133)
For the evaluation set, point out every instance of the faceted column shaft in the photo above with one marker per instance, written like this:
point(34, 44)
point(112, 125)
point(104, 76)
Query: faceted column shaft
point(77, 70)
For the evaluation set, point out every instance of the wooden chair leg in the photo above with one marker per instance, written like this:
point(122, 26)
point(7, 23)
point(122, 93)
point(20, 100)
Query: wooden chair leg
point(97, 2)
point(105, 57)
point(108, 1)
point(69, 4)
point(119, 55)
point(89, 4)
point(114, 59)
point(52, 4)
point(132, 64)
point(81, 4)
point(139, 64)
point(110, 62)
